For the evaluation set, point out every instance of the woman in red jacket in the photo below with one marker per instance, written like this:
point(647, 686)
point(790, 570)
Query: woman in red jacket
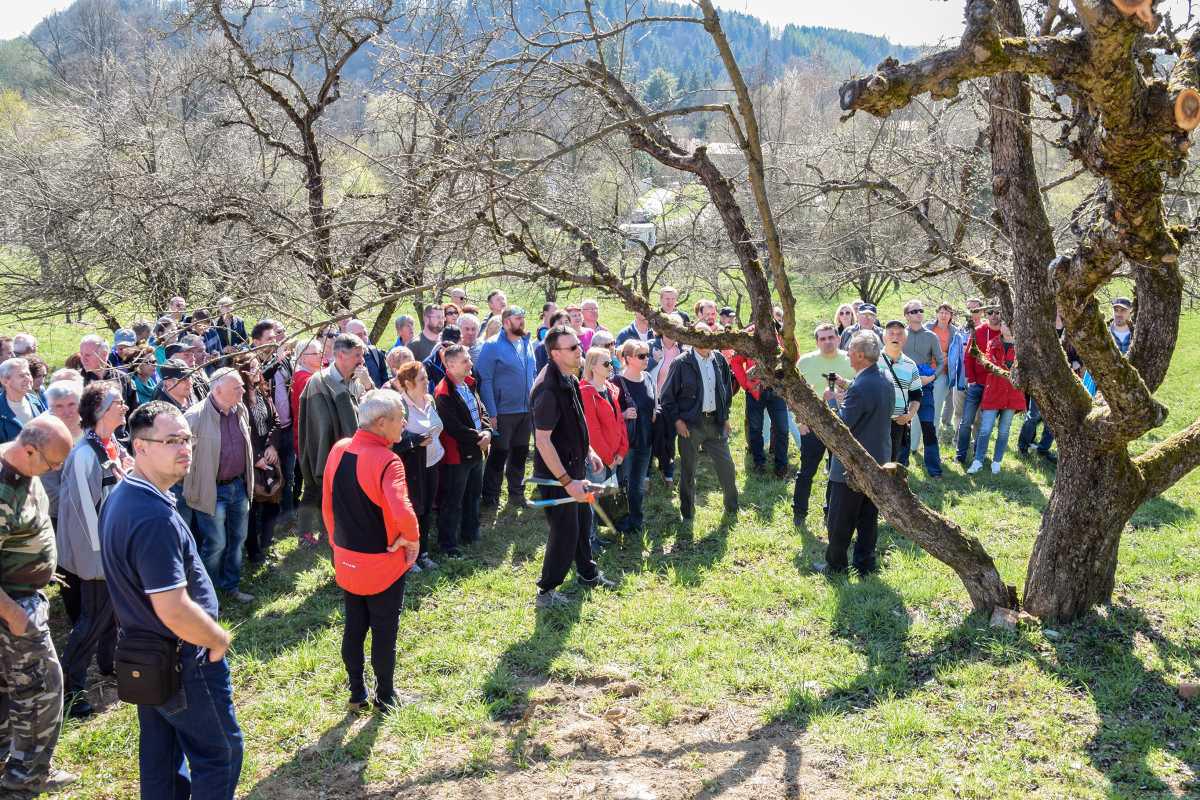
point(605, 415)
point(1001, 400)
point(375, 539)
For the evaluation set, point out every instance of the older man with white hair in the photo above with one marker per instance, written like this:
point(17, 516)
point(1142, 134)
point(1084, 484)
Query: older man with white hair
point(375, 539)
point(24, 344)
point(93, 355)
point(220, 483)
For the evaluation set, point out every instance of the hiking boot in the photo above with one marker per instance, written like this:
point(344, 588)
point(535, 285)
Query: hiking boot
point(551, 599)
point(55, 781)
point(598, 582)
point(77, 706)
point(241, 597)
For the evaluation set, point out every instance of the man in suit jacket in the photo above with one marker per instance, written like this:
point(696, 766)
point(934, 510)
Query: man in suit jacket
point(867, 412)
point(696, 397)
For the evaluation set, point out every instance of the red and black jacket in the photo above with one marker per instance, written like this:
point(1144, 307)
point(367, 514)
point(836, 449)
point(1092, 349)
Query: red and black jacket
point(459, 435)
point(366, 509)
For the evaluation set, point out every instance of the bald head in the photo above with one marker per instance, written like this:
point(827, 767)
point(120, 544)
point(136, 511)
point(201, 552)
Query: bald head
point(42, 445)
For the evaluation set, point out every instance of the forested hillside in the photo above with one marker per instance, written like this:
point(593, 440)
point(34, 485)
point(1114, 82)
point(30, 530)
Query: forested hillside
point(679, 53)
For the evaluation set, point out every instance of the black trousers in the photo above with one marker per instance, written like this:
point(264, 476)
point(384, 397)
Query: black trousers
point(69, 592)
point(851, 512)
point(94, 634)
point(812, 450)
point(379, 614)
point(570, 540)
point(261, 528)
point(507, 456)
point(898, 440)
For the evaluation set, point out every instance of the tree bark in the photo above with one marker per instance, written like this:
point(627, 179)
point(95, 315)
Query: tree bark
point(1074, 561)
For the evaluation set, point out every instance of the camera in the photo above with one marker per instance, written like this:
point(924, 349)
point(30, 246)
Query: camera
point(832, 378)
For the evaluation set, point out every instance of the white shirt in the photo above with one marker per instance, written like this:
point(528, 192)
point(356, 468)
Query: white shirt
point(426, 422)
point(708, 377)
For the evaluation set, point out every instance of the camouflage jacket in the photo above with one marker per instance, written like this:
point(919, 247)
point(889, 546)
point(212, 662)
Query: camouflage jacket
point(27, 552)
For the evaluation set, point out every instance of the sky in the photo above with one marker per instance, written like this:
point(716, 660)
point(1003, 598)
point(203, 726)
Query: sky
point(901, 21)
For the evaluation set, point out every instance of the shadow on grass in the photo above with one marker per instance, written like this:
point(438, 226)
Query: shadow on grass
point(1142, 717)
point(313, 766)
point(525, 664)
point(1161, 511)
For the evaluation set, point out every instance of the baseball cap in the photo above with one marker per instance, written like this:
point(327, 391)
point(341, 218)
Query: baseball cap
point(1122, 302)
point(867, 308)
point(191, 342)
point(174, 368)
point(894, 323)
point(727, 311)
point(124, 337)
point(511, 311)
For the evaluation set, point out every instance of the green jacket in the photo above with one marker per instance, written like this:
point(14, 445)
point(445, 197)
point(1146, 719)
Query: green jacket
point(328, 412)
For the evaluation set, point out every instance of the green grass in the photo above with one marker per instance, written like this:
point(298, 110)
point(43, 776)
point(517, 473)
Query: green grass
point(889, 679)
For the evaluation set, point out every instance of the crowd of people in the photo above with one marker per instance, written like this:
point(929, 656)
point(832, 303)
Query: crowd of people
point(145, 474)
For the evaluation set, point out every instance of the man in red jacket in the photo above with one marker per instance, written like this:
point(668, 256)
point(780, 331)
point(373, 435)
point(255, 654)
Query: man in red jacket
point(375, 538)
point(976, 374)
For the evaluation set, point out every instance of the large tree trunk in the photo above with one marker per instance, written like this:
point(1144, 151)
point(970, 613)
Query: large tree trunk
point(1074, 561)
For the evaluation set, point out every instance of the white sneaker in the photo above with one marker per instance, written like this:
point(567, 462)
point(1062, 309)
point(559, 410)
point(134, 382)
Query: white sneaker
point(975, 467)
point(995, 467)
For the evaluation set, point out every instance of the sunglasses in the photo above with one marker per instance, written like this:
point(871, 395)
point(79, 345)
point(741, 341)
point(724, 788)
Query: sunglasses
point(641, 356)
point(915, 311)
point(575, 346)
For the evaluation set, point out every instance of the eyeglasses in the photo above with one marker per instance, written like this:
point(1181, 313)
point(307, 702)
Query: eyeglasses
point(51, 464)
point(172, 441)
point(915, 311)
point(845, 313)
point(993, 313)
point(641, 356)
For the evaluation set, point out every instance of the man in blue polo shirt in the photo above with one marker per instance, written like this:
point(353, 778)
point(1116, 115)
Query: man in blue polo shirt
point(159, 585)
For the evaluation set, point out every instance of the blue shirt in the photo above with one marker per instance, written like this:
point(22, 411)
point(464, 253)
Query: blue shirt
point(147, 548)
point(468, 397)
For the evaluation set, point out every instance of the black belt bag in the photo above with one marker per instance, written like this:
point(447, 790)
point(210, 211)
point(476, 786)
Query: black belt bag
point(148, 668)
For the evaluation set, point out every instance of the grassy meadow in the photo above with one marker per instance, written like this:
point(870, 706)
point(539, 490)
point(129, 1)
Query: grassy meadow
point(722, 665)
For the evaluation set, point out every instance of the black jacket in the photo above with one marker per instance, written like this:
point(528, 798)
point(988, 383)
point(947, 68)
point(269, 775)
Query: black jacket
point(683, 393)
point(460, 437)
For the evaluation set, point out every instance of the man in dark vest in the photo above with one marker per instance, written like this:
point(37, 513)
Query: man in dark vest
point(562, 452)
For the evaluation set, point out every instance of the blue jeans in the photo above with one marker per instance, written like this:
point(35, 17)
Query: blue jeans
point(1029, 430)
point(632, 475)
point(191, 745)
point(773, 405)
point(223, 533)
point(970, 407)
point(986, 424)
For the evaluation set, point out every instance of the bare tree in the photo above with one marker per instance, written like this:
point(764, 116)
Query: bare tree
point(753, 244)
point(1129, 114)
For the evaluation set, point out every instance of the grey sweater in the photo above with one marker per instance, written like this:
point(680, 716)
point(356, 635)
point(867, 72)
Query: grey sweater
point(923, 347)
